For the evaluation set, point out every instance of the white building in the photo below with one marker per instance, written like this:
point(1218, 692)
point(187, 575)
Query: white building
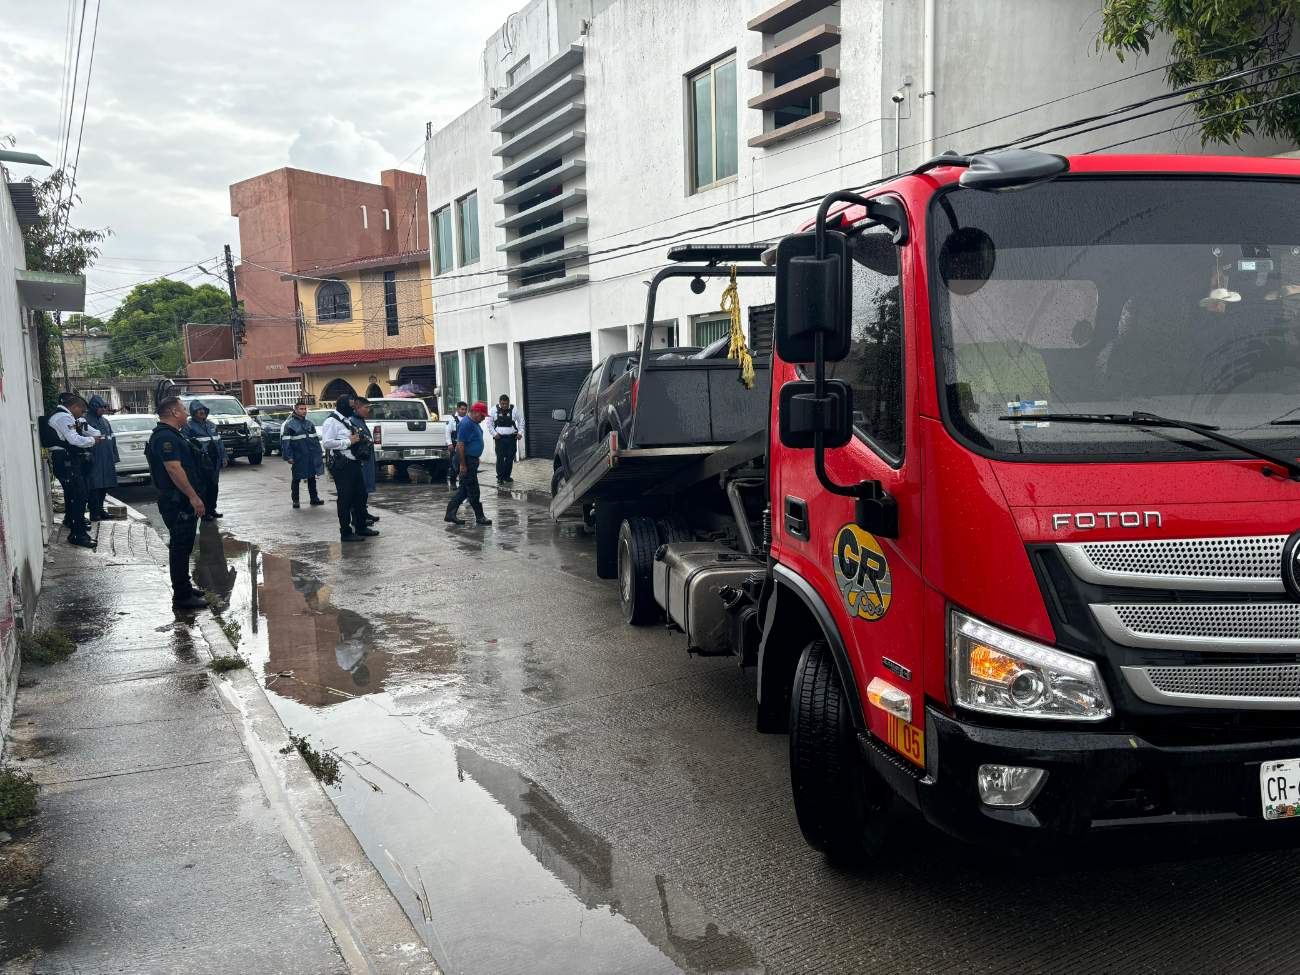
point(25, 510)
point(611, 130)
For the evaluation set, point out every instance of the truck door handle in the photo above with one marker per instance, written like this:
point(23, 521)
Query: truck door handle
point(796, 518)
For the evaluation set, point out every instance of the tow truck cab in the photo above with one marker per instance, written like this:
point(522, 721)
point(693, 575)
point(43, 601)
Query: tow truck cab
point(1027, 593)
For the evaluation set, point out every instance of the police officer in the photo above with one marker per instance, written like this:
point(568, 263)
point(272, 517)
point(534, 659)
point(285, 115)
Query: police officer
point(103, 457)
point(506, 427)
point(469, 448)
point(203, 431)
point(77, 440)
point(361, 417)
point(346, 449)
point(300, 445)
point(176, 465)
point(453, 423)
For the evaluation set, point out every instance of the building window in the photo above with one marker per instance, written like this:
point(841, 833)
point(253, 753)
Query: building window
point(335, 389)
point(519, 72)
point(333, 302)
point(374, 392)
point(450, 381)
point(467, 212)
point(390, 302)
point(476, 375)
point(713, 124)
point(442, 240)
point(710, 330)
point(788, 114)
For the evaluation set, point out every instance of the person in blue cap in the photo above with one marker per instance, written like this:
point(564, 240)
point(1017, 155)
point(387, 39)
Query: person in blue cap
point(300, 445)
point(204, 432)
point(103, 457)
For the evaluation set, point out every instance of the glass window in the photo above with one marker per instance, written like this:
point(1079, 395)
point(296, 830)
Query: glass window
point(707, 332)
point(218, 405)
point(787, 114)
point(519, 72)
point(714, 151)
point(476, 375)
point(401, 409)
point(583, 399)
point(442, 240)
point(874, 365)
point(390, 302)
point(333, 302)
point(450, 381)
point(467, 211)
point(132, 424)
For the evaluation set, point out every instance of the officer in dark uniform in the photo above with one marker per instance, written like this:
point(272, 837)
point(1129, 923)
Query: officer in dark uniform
point(177, 464)
point(72, 463)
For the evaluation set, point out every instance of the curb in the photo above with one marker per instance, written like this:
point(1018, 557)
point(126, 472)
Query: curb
point(373, 933)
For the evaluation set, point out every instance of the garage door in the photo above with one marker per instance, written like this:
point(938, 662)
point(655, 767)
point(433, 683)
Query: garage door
point(553, 371)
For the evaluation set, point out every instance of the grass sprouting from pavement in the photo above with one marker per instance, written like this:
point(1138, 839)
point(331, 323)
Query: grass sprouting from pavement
point(323, 765)
point(48, 646)
point(232, 630)
point(17, 796)
point(220, 665)
point(214, 600)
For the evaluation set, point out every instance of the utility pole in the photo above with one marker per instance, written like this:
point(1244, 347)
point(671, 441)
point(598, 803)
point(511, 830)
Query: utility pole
point(236, 317)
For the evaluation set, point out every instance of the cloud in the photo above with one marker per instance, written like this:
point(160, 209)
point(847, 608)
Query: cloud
point(330, 145)
point(181, 107)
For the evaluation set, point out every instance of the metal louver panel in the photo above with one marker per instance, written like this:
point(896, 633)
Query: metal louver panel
point(1251, 563)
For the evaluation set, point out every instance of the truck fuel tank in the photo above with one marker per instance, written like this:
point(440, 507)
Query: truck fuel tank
point(688, 579)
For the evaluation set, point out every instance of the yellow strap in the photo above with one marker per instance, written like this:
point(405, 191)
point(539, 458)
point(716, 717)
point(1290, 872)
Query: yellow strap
point(738, 348)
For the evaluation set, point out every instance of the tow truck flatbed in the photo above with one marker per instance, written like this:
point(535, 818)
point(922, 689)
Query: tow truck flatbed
point(630, 472)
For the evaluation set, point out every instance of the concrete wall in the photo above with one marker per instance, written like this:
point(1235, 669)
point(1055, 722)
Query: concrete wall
point(24, 483)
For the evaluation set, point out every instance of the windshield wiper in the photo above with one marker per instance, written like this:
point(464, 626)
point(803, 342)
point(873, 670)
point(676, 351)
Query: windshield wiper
point(1138, 419)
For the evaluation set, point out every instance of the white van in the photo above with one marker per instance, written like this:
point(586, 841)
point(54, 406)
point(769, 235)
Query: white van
point(407, 433)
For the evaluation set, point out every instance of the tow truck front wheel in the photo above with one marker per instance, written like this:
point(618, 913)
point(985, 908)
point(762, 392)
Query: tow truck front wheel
point(841, 803)
point(637, 542)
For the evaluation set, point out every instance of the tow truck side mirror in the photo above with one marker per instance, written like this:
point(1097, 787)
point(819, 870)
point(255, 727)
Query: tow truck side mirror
point(801, 416)
point(560, 415)
point(813, 297)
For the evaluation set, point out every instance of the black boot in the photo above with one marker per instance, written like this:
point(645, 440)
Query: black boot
point(315, 500)
point(451, 517)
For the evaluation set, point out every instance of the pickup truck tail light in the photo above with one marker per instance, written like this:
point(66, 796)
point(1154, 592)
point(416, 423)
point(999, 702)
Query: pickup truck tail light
point(378, 434)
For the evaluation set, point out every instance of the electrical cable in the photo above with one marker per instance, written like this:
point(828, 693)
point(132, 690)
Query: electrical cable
point(72, 103)
point(1199, 121)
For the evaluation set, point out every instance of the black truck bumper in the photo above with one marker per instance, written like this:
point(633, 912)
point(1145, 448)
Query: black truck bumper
point(1099, 784)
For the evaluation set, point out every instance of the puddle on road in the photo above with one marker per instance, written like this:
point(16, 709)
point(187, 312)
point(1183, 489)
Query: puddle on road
point(494, 873)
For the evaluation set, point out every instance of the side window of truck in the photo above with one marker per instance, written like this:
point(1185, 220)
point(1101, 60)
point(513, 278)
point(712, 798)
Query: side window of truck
point(583, 399)
point(874, 366)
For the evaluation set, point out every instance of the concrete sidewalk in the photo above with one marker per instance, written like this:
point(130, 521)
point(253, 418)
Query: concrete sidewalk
point(174, 835)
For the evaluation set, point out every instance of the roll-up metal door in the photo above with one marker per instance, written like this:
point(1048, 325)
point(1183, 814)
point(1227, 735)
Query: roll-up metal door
point(553, 372)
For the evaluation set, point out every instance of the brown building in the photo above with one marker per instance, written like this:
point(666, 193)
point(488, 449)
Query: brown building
point(291, 220)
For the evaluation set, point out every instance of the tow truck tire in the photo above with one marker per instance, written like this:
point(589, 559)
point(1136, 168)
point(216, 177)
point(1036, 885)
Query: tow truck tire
point(674, 529)
point(255, 459)
point(841, 803)
point(637, 543)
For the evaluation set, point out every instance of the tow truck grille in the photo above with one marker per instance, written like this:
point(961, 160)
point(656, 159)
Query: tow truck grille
point(1275, 686)
point(1247, 563)
point(1242, 621)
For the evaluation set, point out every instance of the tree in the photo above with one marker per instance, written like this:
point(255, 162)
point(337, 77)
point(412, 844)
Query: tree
point(1214, 39)
point(145, 330)
point(52, 244)
point(78, 322)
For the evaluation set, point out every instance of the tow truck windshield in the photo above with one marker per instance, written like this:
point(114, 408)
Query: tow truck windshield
point(1105, 296)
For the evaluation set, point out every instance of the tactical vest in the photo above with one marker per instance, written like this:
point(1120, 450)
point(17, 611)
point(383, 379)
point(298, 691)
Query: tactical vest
point(505, 418)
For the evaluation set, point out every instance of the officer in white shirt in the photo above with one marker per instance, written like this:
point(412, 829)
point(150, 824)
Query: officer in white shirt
point(453, 423)
point(506, 428)
point(346, 449)
point(78, 438)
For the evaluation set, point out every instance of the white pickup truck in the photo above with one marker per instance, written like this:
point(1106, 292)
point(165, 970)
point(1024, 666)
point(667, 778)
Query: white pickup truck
point(407, 433)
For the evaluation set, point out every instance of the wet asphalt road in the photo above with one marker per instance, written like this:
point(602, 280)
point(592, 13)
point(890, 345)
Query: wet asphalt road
point(549, 790)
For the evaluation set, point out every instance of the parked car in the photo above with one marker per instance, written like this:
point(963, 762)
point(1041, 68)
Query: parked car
point(604, 403)
point(406, 432)
point(270, 420)
point(132, 430)
point(241, 433)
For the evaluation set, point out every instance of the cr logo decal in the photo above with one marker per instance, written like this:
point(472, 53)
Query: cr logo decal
point(862, 573)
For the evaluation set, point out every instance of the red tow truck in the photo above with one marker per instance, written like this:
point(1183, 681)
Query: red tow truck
point(1030, 504)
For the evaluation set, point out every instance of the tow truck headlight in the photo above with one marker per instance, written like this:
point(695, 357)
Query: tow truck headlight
point(1000, 673)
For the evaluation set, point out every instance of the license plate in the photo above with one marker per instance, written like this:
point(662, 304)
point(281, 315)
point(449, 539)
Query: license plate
point(1279, 789)
point(417, 453)
point(906, 738)
point(137, 446)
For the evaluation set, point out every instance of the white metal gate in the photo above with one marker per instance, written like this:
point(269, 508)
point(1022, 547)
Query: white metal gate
point(277, 394)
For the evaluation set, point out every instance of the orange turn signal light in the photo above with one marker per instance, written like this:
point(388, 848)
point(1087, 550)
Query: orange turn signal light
point(993, 665)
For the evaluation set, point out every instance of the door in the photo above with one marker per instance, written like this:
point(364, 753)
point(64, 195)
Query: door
point(585, 419)
point(554, 370)
point(874, 585)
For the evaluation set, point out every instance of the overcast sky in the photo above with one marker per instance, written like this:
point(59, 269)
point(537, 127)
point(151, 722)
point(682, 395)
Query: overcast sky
point(187, 98)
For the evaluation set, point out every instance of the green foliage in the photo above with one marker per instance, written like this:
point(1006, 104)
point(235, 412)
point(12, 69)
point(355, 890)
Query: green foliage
point(220, 665)
point(1214, 39)
point(145, 330)
point(232, 630)
point(78, 322)
point(17, 796)
point(52, 244)
point(323, 765)
point(48, 646)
